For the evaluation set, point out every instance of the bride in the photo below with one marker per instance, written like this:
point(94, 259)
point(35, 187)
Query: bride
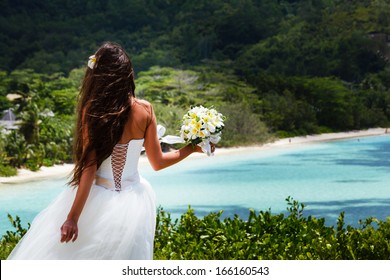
point(109, 210)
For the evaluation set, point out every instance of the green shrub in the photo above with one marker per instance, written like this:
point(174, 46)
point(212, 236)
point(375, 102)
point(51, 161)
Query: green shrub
point(268, 236)
point(11, 238)
point(32, 165)
point(242, 126)
point(47, 162)
point(7, 171)
point(262, 235)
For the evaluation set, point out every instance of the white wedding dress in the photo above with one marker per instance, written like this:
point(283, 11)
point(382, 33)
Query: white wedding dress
point(117, 222)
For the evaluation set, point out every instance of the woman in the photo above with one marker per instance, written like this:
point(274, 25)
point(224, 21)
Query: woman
point(110, 212)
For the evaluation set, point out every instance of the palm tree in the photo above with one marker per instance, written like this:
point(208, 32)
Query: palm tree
point(16, 149)
point(29, 124)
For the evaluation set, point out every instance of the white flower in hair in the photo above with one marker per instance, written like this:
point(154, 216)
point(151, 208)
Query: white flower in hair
point(92, 61)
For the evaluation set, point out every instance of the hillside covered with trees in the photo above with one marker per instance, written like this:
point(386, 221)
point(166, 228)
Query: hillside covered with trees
point(272, 67)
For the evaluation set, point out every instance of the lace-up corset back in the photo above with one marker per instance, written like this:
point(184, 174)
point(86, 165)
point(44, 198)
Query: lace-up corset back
point(118, 161)
point(120, 169)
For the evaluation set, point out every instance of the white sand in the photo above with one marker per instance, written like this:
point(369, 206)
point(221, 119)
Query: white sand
point(62, 171)
point(25, 175)
point(300, 140)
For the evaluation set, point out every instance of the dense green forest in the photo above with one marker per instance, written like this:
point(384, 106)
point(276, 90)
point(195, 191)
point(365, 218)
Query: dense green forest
point(272, 67)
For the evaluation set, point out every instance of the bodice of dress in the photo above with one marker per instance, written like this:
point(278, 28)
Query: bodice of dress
point(120, 170)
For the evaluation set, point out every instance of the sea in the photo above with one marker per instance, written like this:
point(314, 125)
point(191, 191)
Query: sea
point(350, 176)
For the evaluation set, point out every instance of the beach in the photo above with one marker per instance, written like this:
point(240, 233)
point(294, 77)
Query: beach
point(63, 171)
point(25, 175)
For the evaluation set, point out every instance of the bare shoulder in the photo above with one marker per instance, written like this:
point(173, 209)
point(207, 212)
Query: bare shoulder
point(144, 103)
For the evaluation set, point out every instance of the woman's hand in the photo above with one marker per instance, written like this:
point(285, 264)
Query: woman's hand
point(198, 149)
point(69, 231)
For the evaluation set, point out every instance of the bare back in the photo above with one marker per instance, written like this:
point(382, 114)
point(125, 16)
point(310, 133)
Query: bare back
point(140, 118)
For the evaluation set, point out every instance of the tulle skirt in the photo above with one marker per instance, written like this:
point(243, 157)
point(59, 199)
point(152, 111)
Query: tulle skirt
point(113, 225)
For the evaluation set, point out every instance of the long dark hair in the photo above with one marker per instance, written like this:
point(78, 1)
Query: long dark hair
point(103, 107)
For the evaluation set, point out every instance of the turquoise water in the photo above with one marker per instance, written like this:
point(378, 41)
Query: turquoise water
point(328, 177)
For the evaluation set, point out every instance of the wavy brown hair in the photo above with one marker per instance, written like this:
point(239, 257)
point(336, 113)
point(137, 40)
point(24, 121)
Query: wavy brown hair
point(103, 107)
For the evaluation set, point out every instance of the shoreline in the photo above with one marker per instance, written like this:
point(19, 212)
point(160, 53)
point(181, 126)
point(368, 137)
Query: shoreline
point(63, 171)
point(24, 175)
point(299, 140)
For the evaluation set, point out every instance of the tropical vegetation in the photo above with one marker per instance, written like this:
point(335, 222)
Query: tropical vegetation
point(264, 235)
point(274, 68)
point(261, 235)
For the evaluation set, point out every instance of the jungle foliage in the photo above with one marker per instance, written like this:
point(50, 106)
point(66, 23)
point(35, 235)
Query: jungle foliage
point(284, 68)
point(262, 235)
point(44, 106)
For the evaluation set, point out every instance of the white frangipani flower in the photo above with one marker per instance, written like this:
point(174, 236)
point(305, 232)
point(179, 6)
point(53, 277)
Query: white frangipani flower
point(92, 61)
point(202, 126)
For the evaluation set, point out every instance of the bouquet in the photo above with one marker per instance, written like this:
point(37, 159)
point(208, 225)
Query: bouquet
point(202, 126)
